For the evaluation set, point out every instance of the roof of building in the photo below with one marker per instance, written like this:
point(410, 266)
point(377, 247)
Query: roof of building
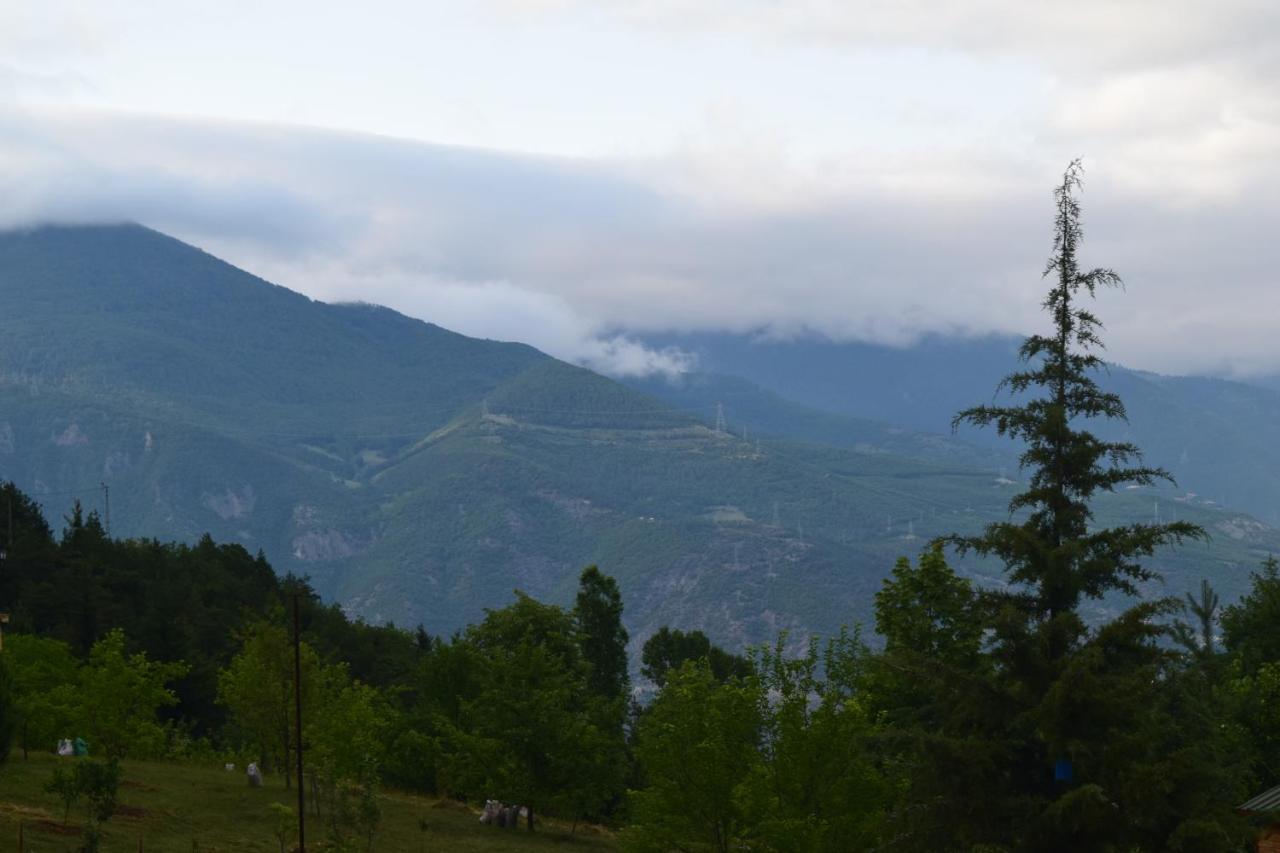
point(1267, 801)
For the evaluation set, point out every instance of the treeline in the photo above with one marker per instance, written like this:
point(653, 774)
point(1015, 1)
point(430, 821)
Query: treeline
point(829, 746)
point(167, 651)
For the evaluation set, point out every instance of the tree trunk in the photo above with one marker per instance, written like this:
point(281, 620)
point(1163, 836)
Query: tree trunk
point(530, 819)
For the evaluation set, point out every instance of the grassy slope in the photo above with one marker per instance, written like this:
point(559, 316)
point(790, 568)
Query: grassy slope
point(174, 808)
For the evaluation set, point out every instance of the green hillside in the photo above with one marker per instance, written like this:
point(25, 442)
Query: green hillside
point(418, 475)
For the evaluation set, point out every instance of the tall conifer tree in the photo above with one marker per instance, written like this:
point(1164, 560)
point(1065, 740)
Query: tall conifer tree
point(1064, 700)
point(1052, 553)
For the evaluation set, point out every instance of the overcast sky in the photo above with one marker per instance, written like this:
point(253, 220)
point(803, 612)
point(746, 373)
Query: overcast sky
point(574, 174)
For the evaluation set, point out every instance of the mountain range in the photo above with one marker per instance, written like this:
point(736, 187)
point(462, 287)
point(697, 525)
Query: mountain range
point(419, 476)
point(1213, 435)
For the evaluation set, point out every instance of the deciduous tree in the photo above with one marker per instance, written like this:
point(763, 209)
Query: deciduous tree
point(120, 695)
point(668, 649)
point(699, 744)
point(257, 688)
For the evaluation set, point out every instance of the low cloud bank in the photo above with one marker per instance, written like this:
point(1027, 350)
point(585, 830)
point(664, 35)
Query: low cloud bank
point(582, 258)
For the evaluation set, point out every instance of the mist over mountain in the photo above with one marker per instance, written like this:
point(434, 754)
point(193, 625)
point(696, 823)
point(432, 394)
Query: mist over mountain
point(417, 475)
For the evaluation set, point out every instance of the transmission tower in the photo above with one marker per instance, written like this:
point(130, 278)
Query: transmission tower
point(720, 424)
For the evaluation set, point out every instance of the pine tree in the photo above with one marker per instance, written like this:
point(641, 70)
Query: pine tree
point(1061, 752)
point(1052, 552)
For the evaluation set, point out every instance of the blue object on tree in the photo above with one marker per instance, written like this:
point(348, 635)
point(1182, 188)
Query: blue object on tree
point(1062, 770)
point(79, 748)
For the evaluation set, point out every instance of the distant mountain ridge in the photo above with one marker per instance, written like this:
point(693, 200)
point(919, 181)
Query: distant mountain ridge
point(419, 476)
point(1214, 435)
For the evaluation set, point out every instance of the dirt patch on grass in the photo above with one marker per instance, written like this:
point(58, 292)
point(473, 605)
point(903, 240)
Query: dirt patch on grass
point(19, 812)
point(52, 828)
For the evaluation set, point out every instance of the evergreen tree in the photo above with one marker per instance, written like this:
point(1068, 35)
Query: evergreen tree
point(1062, 753)
point(1199, 640)
point(598, 612)
point(1052, 553)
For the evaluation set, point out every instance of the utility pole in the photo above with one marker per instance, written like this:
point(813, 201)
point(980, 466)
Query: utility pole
point(106, 504)
point(297, 723)
point(4, 617)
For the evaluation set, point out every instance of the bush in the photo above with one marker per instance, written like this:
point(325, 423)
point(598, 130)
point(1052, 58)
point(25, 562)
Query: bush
point(98, 782)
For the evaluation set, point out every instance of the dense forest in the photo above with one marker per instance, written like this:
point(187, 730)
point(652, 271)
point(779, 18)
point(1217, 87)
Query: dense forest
point(972, 719)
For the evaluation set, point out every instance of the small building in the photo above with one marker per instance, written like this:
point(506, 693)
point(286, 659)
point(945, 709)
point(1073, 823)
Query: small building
point(1266, 804)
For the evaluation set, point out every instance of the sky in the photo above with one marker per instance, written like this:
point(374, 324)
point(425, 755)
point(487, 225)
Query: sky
point(577, 174)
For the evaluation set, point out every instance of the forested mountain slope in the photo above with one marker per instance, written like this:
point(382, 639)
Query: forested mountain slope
point(418, 475)
point(1215, 435)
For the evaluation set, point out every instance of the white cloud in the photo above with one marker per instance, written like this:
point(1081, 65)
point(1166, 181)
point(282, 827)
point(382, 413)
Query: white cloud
point(1089, 34)
point(579, 257)
point(873, 170)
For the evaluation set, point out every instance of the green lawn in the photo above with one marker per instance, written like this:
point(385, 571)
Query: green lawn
point(183, 809)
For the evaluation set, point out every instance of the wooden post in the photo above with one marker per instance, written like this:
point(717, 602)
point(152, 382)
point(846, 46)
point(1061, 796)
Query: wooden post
point(297, 719)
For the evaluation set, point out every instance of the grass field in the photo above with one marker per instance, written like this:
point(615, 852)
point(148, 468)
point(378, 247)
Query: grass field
point(170, 808)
